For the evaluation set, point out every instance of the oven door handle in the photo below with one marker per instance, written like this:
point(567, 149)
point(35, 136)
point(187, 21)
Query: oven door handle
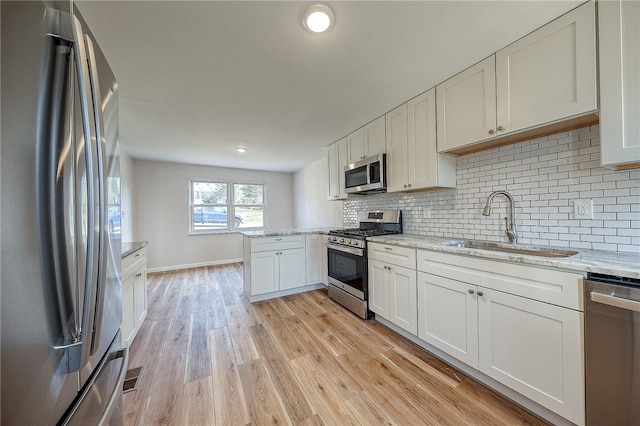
point(351, 250)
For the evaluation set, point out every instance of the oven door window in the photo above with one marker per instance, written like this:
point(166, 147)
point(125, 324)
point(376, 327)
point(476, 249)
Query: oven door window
point(348, 268)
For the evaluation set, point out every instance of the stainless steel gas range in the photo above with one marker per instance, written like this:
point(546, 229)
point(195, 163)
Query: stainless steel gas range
point(347, 257)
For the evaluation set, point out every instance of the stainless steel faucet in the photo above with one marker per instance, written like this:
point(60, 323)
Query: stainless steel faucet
point(510, 227)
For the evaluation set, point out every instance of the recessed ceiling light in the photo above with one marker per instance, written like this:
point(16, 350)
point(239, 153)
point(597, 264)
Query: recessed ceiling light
point(241, 150)
point(318, 19)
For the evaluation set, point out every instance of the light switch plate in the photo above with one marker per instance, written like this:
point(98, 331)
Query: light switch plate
point(583, 209)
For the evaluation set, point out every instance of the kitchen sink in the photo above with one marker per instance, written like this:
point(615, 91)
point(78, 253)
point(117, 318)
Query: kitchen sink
point(511, 248)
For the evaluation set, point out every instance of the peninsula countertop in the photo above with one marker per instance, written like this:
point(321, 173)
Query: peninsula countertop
point(285, 232)
point(596, 261)
point(132, 247)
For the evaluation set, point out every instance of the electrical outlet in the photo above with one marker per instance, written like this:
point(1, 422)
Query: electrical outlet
point(583, 209)
point(426, 213)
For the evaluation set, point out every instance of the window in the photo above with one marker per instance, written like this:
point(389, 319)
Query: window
point(223, 206)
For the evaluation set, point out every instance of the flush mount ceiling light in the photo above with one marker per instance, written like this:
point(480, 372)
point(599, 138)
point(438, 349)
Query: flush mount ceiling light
point(318, 19)
point(241, 150)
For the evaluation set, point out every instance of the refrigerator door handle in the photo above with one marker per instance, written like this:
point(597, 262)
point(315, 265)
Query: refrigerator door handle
point(100, 147)
point(67, 27)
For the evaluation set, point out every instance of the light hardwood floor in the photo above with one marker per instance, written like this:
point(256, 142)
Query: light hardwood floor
point(209, 357)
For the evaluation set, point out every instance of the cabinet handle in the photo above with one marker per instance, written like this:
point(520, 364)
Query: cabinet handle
point(388, 248)
point(480, 293)
point(471, 291)
point(491, 131)
point(408, 185)
point(278, 239)
point(500, 128)
point(405, 185)
point(139, 274)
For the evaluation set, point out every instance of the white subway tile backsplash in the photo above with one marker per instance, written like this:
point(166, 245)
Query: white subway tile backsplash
point(545, 176)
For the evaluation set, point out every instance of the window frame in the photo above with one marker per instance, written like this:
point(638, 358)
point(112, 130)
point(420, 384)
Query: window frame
point(230, 206)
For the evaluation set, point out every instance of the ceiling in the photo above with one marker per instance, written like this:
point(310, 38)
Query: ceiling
point(198, 79)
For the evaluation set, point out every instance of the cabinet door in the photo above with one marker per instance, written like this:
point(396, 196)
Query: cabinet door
point(396, 128)
point(314, 249)
point(337, 159)
point(550, 74)
point(619, 49)
point(140, 296)
point(403, 303)
point(128, 310)
point(534, 348)
point(375, 137)
point(355, 146)
point(466, 105)
point(264, 272)
point(425, 167)
point(378, 290)
point(292, 270)
point(448, 316)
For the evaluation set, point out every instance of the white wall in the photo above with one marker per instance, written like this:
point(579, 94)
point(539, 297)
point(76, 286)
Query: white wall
point(310, 189)
point(162, 212)
point(127, 194)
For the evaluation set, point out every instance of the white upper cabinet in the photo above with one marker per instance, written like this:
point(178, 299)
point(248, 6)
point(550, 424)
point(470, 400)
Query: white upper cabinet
point(337, 159)
point(397, 149)
point(619, 49)
point(467, 106)
point(541, 84)
point(412, 159)
point(367, 141)
point(550, 74)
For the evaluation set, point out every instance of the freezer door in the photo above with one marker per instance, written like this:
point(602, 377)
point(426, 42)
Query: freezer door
point(100, 403)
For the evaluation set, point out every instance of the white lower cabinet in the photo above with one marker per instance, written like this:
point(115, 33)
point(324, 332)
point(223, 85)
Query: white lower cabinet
point(277, 270)
point(448, 316)
point(531, 346)
point(316, 258)
point(392, 285)
point(392, 294)
point(534, 348)
point(134, 293)
point(281, 265)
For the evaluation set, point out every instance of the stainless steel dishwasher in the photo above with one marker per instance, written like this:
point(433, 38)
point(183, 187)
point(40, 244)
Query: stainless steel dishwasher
point(612, 350)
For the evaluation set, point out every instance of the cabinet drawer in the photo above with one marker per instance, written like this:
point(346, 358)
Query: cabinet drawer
point(133, 262)
point(401, 256)
point(552, 286)
point(277, 243)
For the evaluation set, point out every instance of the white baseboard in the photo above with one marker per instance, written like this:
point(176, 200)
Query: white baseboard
point(194, 265)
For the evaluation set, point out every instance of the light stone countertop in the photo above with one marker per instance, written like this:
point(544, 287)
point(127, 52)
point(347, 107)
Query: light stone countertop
point(132, 247)
point(285, 232)
point(597, 261)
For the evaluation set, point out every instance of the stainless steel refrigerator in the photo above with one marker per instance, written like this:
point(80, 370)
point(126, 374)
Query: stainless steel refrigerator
point(61, 358)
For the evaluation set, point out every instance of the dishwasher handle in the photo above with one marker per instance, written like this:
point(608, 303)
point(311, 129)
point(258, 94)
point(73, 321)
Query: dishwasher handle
point(618, 302)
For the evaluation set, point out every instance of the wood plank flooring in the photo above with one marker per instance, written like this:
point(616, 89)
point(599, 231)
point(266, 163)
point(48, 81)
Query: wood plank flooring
point(209, 357)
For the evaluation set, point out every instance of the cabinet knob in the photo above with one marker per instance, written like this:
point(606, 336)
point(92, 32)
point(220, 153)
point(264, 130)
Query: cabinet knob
point(480, 293)
point(491, 131)
point(408, 185)
point(471, 291)
point(500, 128)
point(405, 185)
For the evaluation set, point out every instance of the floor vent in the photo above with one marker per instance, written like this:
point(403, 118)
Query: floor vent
point(131, 379)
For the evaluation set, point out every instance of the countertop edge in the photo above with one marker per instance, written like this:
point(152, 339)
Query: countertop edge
point(285, 232)
point(596, 261)
point(129, 248)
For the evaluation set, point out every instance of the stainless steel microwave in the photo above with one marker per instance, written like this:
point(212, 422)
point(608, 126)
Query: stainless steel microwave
point(368, 175)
